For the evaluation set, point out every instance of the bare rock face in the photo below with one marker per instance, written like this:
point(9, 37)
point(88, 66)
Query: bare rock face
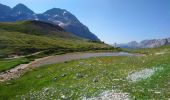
point(154, 43)
point(147, 43)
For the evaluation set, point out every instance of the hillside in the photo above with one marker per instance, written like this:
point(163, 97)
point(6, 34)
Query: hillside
point(28, 37)
point(37, 28)
point(57, 16)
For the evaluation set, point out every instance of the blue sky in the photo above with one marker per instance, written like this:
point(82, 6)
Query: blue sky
point(113, 20)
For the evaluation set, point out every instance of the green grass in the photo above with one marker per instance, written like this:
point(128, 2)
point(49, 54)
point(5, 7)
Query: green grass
point(16, 43)
point(75, 79)
point(26, 37)
point(10, 63)
point(149, 51)
point(21, 44)
point(37, 28)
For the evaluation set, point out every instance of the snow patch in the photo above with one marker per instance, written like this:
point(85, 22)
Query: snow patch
point(36, 18)
point(59, 23)
point(64, 13)
point(46, 14)
point(56, 16)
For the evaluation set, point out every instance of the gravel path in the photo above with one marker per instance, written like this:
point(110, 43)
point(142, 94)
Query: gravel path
point(21, 69)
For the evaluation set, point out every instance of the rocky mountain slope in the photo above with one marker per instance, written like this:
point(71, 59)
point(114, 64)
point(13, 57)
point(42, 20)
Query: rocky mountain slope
point(153, 43)
point(57, 16)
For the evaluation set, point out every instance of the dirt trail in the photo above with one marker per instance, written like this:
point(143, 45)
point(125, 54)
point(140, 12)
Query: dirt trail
point(21, 69)
point(16, 56)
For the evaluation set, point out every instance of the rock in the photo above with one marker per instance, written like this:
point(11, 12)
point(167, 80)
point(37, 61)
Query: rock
point(55, 78)
point(63, 75)
point(95, 80)
point(9, 83)
point(157, 92)
point(46, 89)
point(110, 95)
point(114, 86)
point(39, 76)
point(79, 75)
point(153, 43)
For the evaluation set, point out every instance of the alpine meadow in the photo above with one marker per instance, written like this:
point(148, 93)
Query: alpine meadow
point(84, 50)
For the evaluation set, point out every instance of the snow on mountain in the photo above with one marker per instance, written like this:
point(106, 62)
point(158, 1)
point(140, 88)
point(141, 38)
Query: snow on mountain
point(56, 16)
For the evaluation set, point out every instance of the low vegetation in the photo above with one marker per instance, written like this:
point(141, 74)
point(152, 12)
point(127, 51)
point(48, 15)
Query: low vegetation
point(27, 37)
point(87, 78)
point(134, 77)
point(6, 64)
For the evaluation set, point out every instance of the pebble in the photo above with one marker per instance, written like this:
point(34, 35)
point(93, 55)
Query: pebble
point(79, 75)
point(63, 75)
point(95, 80)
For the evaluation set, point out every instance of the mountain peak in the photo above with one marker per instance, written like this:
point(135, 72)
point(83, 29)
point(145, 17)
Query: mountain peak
point(55, 11)
point(57, 16)
point(20, 4)
point(21, 8)
point(4, 10)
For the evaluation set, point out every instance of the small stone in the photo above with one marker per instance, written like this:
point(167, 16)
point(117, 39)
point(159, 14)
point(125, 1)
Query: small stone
point(19, 69)
point(55, 78)
point(157, 92)
point(46, 89)
point(95, 80)
point(63, 75)
point(63, 96)
point(39, 76)
point(113, 87)
point(9, 83)
point(79, 75)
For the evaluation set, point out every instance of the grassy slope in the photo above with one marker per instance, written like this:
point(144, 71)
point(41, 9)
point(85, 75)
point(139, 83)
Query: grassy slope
point(149, 51)
point(75, 79)
point(13, 41)
point(20, 44)
point(27, 37)
point(37, 28)
point(32, 36)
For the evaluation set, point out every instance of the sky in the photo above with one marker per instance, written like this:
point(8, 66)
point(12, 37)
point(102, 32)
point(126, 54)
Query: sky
point(113, 21)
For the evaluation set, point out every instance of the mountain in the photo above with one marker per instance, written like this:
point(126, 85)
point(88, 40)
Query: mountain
point(57, 16)
point(37, 28)
point(21, 12)
point(4, 10)
point(22, 9)
point(27, 37)
point(153, 43)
